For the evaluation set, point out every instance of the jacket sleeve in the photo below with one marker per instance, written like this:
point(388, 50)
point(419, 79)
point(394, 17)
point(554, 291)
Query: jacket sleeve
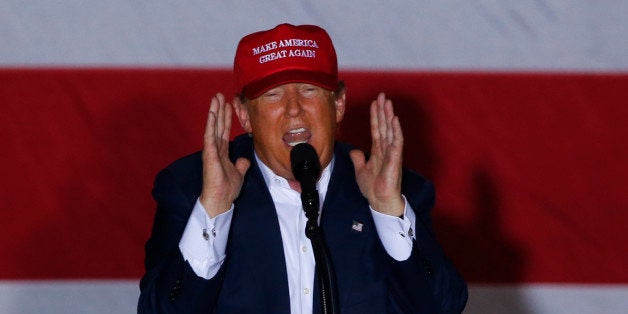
point(427, 269)
point(169, 284)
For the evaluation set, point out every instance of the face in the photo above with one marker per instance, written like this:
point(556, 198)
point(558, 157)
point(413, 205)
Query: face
point(290, 114)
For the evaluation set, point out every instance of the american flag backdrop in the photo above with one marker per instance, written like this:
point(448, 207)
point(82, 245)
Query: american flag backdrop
point(515, 109)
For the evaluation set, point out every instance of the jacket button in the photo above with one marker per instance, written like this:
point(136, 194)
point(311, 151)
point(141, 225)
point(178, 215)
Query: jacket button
point(176, 289)
point(428, 267)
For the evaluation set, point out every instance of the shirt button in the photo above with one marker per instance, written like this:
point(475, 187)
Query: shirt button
point(306, 290)
point(304, 249)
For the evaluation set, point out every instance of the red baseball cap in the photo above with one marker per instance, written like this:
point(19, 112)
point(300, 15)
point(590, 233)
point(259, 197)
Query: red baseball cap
point(285, 54)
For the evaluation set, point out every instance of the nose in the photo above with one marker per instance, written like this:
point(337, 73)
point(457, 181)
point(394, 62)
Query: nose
point(293, 104)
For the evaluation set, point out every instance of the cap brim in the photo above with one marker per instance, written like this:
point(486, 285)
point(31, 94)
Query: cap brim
point(257, 88)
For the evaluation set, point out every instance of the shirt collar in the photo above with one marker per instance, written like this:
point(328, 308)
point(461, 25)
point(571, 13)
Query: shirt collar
point(273, 179)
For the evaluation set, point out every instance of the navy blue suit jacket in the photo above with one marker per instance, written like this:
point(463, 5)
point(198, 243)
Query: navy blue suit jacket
point(253, 276)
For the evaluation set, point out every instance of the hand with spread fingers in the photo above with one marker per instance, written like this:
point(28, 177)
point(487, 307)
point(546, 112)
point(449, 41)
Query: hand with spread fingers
point(222, 179)
point(379, 178)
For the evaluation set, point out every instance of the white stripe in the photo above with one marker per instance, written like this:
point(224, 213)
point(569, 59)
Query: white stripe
point(75, 296)
point(95, 296)
point(410, 34)
point(547, 299)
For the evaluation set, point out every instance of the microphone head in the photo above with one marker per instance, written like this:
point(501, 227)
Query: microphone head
point(305, 165)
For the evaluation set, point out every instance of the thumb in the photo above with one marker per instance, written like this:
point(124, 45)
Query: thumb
point(357, 156)
point(242, 165)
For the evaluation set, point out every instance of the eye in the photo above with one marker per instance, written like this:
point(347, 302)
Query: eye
point(272, 95)
point(308, 90)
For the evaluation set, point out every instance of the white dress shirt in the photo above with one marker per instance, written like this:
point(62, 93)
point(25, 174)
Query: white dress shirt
point(204, 240)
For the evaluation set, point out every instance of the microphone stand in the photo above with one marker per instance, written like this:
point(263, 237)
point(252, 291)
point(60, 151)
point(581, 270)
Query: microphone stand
point(306, 169)
point(322, 257)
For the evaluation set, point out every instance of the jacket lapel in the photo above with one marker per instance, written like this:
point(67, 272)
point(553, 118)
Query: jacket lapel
point(346, 221)
point(255, 226)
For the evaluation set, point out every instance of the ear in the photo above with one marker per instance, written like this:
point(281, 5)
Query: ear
point(340, 104)
point(243, 114)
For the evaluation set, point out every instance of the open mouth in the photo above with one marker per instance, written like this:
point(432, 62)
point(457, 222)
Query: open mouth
point(297, 136)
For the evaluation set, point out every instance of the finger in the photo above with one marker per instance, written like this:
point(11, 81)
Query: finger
point(375, 135)
point(220, 118)
point(381, 116)
point(357, 156)
point(210, 126)
point(395, 149)
point(393, 161)
point(390, 115)
point(391, 171)
point(397, 132)
point(228, 116)
point(242, 165)
point(209, 139)
point(214, 109)
point(226, 132)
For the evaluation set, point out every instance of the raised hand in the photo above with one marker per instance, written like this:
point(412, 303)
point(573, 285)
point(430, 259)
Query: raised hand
point(379, 178)
point(222, 179)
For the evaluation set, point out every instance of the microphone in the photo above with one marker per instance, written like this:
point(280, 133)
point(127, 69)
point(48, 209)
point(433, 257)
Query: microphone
point(306, 168)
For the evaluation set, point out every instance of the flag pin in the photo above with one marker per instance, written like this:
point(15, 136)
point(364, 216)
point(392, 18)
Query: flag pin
point(357, 226)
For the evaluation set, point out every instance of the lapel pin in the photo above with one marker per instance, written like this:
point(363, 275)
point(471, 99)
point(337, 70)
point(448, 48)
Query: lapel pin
point(357, 226)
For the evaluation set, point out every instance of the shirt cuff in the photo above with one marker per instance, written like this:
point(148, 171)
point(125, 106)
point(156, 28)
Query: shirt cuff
point(396, 233)
point(204, 240)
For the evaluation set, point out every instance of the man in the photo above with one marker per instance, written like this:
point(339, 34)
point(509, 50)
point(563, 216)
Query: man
point(228, 235)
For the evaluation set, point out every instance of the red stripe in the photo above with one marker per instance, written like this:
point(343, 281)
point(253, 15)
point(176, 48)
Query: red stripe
point(528, 167)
